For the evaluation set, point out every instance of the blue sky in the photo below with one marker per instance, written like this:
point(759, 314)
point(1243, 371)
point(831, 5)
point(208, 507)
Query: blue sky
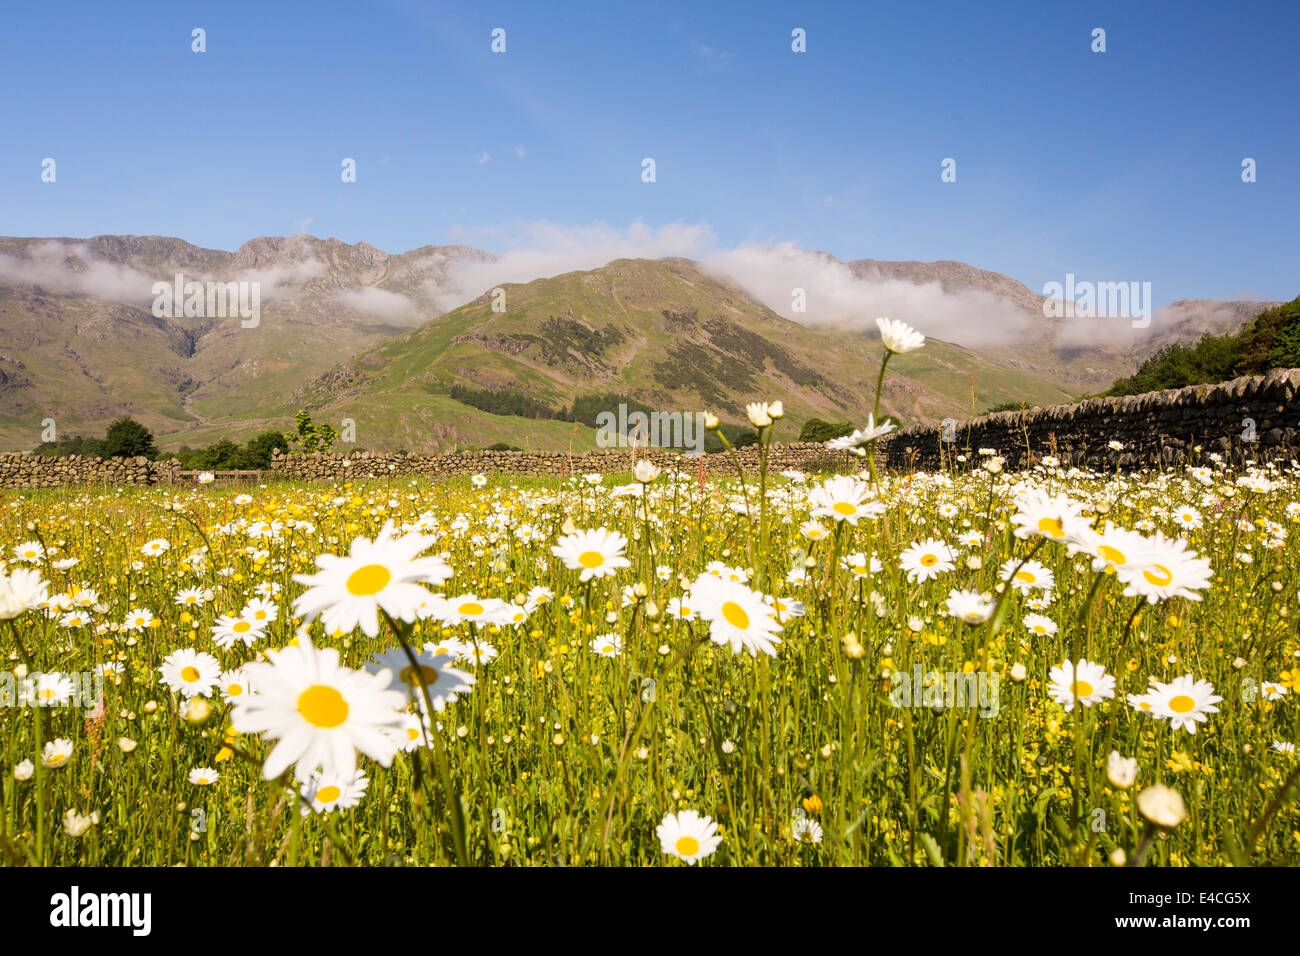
point(1123, 165)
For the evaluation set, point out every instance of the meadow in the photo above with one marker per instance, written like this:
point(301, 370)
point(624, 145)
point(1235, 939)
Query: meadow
point(969, 667)
point(572, 716)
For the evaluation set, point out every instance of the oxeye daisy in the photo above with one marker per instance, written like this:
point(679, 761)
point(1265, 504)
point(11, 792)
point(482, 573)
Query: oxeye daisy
point(1185, 701)
point(193, 597)
point(680, 609)
point(190, 672)
point(970, 607)
point(261, 610)
point(385, 574)
point(327, 793)
point(737, 616)
point(1163, 569)
point(56, 752)
point(319, 712)
point(442, 682)
point(607, 645)
point(1043, 515)
point(1040, 625)
point(155, 547)
point(137, 619)
point(29, 551)
point(203, 776)
point(844, 498)
point(1029, 576)
point(688, 836)
point(899, 337)
point(467, 609)
point(926, 559)
point(1088, 684)
point(860, 565)
point(229, 629)
point(232, 685)
point(595, 554)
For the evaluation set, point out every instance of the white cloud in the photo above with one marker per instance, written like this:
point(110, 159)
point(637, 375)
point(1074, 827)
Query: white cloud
point(70, 269)
point(370, 300)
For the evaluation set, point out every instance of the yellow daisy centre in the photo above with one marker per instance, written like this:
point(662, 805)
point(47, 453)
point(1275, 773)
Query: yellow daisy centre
point(591, 559)
point(368, 580)
point(607, 649)
point(322, 706)
point(1053, 526)
point(687, 845)
point(190, 674)
point(470, 608)
point(1039, 629)
point(1113, 555)
point(1082, 688)
point(427, 674)
point(1027, 576)
point(242, 626)
point(328, 794)
point(735, 615)
point(1181, 704)
point(859, 569)
point(234, 690)
point(844, 508)
point(1162, 578)
point(929, 560)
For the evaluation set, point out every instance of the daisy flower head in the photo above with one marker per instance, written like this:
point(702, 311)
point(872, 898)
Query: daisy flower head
point(899, 337)
point(1040, 625)
point(229, 629)
point(969, 607)
point(203, 776)
point(737, 615)
point(319, 712)
point(926, 560)
point(1165, 569)
point(844, 498)
point(1185, 701)
point(57, 752)
point(607, 645)
point(190, 672)
point(326, 793)
point(442, 682)
point(1088, 683)
point(595, 553)
point(385, 574)
point(861, 436)
point(467, 609)
point(21, 591)
point(688, 836)
point(1025, 578)
point(1043, 515)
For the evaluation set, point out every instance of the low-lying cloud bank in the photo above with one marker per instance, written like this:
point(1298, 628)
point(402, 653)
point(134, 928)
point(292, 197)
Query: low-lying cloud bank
point(809, 287)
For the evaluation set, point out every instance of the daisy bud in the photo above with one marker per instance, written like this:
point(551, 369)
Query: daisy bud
point(126, 744)
point(1018, 672)
point(1162, 806)
point(711, 421)
point(645, 472)
point(776, 410)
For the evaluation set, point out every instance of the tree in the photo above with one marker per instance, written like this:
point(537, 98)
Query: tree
point(817, 430)
point(256, 453)
point(310, 437)
point(127, 438)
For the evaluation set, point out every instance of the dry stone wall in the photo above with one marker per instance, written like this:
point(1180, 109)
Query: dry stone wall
point(1158, 427)
point(331, 467)
point(19, 470)
point(1154, 428)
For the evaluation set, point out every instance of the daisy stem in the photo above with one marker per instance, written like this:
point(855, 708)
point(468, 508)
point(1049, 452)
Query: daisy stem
point(439, 750)
point(875, 415)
